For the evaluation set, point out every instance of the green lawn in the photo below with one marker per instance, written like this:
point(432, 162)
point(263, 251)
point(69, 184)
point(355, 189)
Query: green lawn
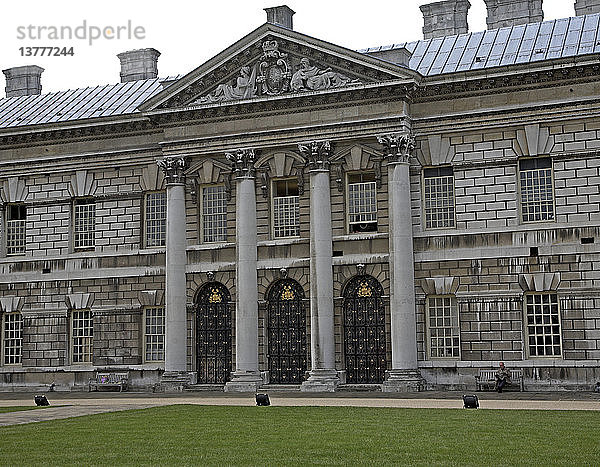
point(18, 409)
point(204, 435)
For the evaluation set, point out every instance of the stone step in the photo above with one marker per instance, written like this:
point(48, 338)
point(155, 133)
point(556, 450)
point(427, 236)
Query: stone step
point(359, 388)
point(204, 388)
point(280, 387)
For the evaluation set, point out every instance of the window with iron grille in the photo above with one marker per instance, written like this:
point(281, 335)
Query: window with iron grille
point(84, 223)
point(156, 218)
point(537, 193)
point(543, 325)
point(442, 327)
point(362, 203)
point(213, 218)
point(82, 331)
point(286, 209)
point(154, 334)
point(13, 338)
point(16, 218)
point(438, 194)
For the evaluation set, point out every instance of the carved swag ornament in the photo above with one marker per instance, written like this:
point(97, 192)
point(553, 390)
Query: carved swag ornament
point(272, 76)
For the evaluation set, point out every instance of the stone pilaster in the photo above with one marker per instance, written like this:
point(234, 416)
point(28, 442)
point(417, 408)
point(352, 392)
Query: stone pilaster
point(175, 283)
point(404, 375)
point(323, 375)
point(246, 377)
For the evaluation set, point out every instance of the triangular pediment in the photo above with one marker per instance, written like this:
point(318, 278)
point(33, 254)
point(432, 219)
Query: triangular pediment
point(273, 61)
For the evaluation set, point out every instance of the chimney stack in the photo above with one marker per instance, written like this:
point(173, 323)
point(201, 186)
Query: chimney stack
point(23, 81)
point(139, 64)
point(502, 13)
point(281, 16)
point(587, 7)
point(445, 18)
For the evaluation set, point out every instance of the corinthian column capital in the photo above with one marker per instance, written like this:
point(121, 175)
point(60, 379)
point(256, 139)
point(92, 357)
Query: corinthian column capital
point(316, 154)
point(242, 162)
point(173, 169)
point(398, 147)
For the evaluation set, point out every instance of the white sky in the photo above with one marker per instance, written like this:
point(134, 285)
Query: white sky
point(187, 33)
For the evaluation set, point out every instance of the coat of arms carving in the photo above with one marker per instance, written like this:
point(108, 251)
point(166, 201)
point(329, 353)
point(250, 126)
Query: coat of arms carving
point(274, 71)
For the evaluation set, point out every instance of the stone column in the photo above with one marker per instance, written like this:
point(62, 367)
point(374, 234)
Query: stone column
point(246, 377)
point(323, 375)
point(404, 375)
point(175, 282)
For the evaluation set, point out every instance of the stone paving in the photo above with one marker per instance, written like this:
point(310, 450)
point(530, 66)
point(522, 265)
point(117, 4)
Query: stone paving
point(67, 405)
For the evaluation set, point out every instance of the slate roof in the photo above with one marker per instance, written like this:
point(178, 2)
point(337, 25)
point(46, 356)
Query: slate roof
point(529, 43)
point(534, 42)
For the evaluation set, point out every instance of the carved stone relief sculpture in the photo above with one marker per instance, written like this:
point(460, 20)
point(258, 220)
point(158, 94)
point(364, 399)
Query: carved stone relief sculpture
point(245, 88)
point(274, 71)
point(311, 78)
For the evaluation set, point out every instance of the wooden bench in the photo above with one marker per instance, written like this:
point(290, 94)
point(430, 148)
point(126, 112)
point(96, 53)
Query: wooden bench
point(120, 380)
point(488, 378)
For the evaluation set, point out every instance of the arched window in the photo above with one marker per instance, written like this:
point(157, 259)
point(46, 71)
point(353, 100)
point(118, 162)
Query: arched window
point(213, 334)
point(286, 327)
point(364, 331)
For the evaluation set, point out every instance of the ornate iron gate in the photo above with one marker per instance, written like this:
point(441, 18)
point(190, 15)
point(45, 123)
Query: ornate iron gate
point(213, 334)
point(286, 332)
point(364, 331)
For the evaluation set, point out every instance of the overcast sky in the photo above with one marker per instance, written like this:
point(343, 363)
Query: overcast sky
point(187, 33)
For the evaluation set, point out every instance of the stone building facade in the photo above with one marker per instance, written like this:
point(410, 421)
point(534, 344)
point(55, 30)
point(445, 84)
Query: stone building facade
point(295, 213)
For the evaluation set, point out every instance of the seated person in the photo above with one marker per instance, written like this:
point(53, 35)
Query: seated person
point(502, 377)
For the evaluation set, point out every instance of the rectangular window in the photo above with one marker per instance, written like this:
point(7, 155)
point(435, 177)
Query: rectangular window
point(16, 218)
point(543, 324)
point(214, 214)
point(84, 223)
point(82, 328)
point(438, 194)
point(443, 327)
point(537, 193)
point(155, 334)
point(156, 218)
point(286, 209)
point(13, 338)
point(362, 203)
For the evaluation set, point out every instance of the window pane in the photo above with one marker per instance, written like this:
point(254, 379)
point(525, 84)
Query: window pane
point(214, 214)
point(156, 219)
point(13, 338)
point(537, 195)
point(82, 329)
point(286, 209)
point(438, 189)
point(155, 334)
point(542, 309)
point(16, 219)
point(444, 332)
point(362, 206)
point(84, 223)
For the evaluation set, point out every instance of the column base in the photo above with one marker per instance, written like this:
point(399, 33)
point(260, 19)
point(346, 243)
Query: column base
point(244, 381)
point(321, 381)
point(175, 381)
point(403, 381)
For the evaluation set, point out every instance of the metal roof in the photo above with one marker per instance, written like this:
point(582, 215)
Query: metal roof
point(77, 104)
point(526, 43)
